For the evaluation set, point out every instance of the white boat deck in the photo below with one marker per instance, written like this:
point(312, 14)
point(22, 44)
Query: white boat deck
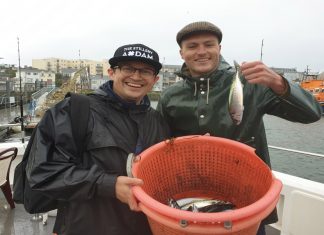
point(300, 207)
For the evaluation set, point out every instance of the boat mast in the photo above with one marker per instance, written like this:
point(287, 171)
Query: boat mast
point(261, 50)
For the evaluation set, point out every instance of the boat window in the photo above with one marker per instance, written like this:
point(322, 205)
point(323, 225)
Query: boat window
point(311, 90)
point(317, 90)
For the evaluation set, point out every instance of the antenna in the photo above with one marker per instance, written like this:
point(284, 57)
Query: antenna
point(261, 50)
point(79, 59)
point(305, 77)
point(80, 71)
point(21, 100)
point(307, 70)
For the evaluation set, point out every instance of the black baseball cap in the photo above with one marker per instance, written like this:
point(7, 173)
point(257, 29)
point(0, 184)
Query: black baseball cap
point(136, 52)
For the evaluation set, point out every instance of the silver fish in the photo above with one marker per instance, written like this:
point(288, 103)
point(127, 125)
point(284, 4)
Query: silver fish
point(235, 101)
point(173, 203)
point(201, 205)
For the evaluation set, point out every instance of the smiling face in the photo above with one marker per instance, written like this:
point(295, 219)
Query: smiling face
point(132, 87)
point(201, 53)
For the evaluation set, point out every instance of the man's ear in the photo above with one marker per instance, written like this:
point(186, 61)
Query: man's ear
point(111, 73)
point(156, 79)
point(180, 51)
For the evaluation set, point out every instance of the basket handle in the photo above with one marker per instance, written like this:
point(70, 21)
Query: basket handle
point(129, 164)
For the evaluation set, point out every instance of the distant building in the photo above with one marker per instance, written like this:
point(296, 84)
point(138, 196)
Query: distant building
point(6, 85)
point(33, 79)
point(98, 69)
point(57, 65)
point(7, 66)
point(159, 84)
point(68, 72)
point(290, 74)
point(167, 77)
point(7, 71)
point(97, 81)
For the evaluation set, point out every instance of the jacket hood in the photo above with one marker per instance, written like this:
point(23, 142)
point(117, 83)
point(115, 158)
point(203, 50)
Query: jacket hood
point(106, 89)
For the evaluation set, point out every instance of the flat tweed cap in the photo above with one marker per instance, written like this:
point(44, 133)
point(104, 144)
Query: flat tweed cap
point(199, 27)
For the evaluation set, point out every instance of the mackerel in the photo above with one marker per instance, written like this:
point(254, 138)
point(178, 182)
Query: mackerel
point(235, 101)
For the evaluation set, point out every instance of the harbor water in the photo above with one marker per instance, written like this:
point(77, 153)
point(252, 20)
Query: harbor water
point(280, 133)
point(302, 137)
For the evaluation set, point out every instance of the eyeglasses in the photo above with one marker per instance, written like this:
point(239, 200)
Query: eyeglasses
point(127, 70)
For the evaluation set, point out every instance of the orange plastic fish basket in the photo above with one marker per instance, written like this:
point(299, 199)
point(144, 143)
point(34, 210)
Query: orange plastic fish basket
point(204, 166)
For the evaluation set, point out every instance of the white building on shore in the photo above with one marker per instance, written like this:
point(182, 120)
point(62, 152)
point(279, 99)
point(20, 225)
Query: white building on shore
point(57, 64)
point(33, 79)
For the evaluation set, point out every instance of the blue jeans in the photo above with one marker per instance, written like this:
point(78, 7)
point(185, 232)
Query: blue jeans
point(261, 230)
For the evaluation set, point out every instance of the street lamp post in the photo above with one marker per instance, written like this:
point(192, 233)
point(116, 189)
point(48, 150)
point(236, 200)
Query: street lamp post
point(21, 100)
point(6, 83)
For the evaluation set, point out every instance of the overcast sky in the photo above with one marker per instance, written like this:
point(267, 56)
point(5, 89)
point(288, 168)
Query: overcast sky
point(293, 30)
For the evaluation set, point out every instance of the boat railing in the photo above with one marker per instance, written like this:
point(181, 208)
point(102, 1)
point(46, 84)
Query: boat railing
point(11, 124)
point(297, 151)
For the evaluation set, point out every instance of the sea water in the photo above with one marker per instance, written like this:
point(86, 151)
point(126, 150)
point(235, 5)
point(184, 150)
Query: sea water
point(302, 137)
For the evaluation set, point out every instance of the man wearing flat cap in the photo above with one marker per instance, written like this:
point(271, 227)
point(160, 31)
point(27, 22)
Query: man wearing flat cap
point(199, 103)
point(93, 190)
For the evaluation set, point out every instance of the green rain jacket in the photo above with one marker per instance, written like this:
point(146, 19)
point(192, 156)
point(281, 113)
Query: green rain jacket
point(200, 105)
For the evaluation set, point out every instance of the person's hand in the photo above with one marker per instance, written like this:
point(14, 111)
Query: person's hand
point(124, 192)
point(258, 73)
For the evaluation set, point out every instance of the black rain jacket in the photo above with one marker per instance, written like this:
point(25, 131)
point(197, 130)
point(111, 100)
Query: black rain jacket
point(86, 188)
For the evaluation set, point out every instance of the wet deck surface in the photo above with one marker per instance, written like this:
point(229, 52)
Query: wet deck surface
point(272, 231)
point(18, 222)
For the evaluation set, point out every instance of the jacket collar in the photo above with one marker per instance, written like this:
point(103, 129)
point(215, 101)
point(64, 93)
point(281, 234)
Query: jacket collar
point(209, 79)
point(107, 91)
